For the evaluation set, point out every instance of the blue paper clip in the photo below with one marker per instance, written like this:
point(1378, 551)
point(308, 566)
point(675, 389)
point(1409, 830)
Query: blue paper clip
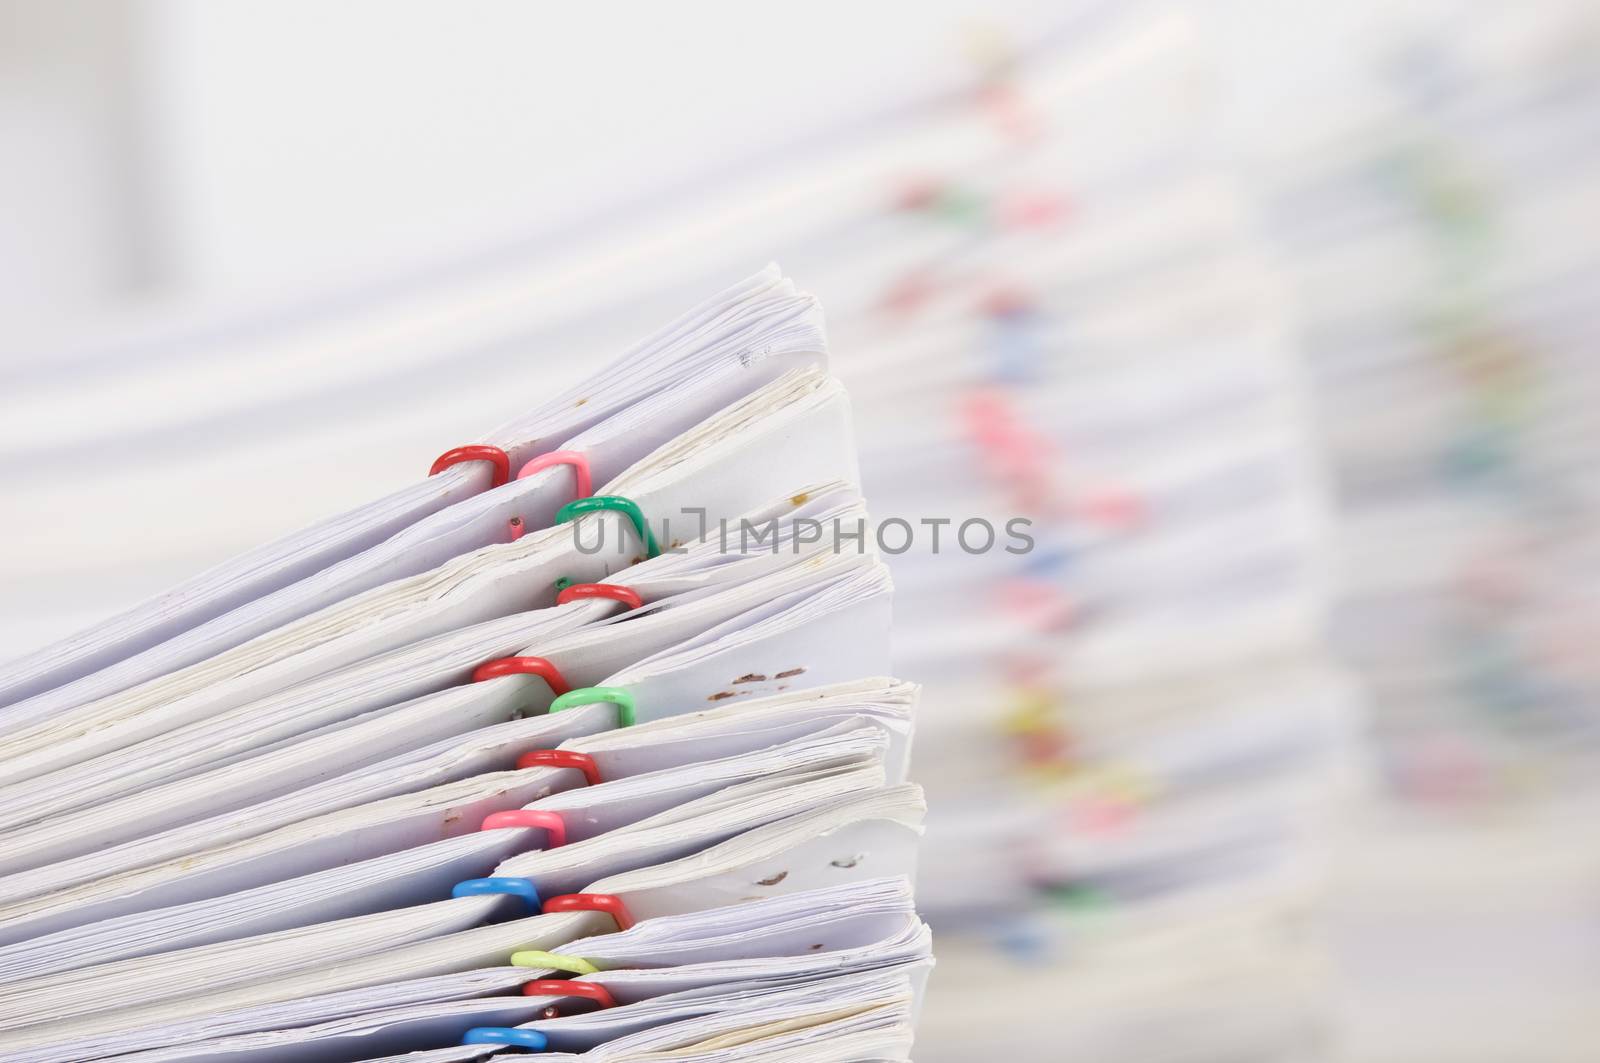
point(506, 1035)
point(516, 887)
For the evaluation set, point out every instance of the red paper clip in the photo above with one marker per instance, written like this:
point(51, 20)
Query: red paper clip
point(500, 459)
point(626, 595)
point(591, 902)
point(522, 666)
point(562, 758)
point(551, 822)
point(562, 987)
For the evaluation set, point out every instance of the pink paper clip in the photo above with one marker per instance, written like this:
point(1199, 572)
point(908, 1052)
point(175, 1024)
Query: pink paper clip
point(579, 463)
point(551, 822)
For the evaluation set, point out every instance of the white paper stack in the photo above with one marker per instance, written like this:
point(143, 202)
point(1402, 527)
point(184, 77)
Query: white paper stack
point(1438, 230)
point(595, 761)
point(1438, 247)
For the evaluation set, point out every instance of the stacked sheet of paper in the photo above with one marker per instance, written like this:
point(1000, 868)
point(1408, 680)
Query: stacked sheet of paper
point(580, 745)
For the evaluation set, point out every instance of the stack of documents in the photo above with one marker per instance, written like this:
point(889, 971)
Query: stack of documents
point(1439, 239)
point(1438, 246)
point(1136, 723)
point(581, 744)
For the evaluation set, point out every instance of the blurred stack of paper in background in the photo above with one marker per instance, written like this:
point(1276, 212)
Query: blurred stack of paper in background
point(1440, 258)
point(1438, 244)
point(1135, 735)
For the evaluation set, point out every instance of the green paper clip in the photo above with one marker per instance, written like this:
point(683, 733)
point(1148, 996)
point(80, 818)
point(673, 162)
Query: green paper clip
point(553, 961)
point(626, 506)
point(618, 696)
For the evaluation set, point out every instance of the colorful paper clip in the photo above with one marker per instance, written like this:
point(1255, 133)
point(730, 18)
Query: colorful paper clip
point(591, 902)
point(626, 595)
point(562, 758)
point(513, 887)
point(494, 455)
point(503, 666)
point(561, 987)
point(553, 961)
point(550, 822)
point(579, 463)
point(618, 696)
point(626, 506)
point(506, 1035)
